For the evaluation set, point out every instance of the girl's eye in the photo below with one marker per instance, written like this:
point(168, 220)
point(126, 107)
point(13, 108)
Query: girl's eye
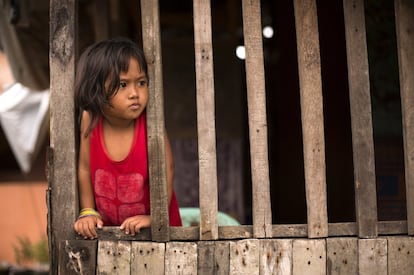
point(142, 83)
point(122, 84)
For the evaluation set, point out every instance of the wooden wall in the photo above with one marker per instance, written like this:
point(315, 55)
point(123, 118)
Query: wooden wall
point(317, 247)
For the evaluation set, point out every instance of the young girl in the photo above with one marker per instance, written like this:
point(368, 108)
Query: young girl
point(111, 90)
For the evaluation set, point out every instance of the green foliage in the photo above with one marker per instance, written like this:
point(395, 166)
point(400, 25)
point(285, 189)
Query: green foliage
point(26, 252)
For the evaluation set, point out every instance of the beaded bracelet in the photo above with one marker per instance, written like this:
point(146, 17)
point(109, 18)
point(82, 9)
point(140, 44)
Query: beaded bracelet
point(85, 212)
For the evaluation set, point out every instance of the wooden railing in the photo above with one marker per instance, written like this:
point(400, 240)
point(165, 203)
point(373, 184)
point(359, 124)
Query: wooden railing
point(62, 173)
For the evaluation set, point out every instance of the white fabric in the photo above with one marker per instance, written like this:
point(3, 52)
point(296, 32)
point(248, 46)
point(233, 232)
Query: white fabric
point(24, 118)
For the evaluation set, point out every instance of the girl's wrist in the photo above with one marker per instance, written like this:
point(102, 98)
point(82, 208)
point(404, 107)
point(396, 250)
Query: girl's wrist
point(86, 212)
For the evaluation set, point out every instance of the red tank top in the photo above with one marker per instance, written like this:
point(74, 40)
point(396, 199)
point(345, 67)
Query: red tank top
point(121, 188)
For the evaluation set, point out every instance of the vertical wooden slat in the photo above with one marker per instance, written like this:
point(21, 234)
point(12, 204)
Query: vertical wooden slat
point(404, 21)
point(372, 256)
point(213, 257)
point(276, 256)
point(181, 258)
point(205, 258)
point(205, 120)
point(147, 258)
point(361, 120)
point(312, 116)
point(114, 257)
point(342, 256)
point(222, 257)
point(155, 117)
point(77, 257)
point(256, 99)
point(309, 257)
point(400, 255)
point(244, 257)
point(62, 187)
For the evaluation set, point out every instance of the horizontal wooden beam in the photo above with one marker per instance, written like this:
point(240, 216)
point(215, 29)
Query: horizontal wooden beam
point(346, 229)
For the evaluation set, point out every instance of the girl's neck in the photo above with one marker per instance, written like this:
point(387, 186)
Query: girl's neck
point(116, 123)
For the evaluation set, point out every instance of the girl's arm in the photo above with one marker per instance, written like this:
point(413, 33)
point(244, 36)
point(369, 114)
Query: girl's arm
point(86, 226)
point(86, 197)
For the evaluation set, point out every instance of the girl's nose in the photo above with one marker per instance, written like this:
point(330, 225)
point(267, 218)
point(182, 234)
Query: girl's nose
point(133, 93)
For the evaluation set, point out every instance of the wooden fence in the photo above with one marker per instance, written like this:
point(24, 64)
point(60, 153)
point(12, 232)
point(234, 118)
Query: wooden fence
point(366, 246)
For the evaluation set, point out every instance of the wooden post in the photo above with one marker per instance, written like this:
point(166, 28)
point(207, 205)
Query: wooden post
point(205, 120)
point(256, 99)
point(155, 118)
point(404, 21)
point(361, 120)
point(62, 171)
point(312, 116)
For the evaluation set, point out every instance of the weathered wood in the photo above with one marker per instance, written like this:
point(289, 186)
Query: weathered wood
point(276, 257)
point(222, 257)
point(155, 116)
point(400, 255)
point(246, 231)
point(372, 256)
point(361, 121)
point(205, 260)
point(309, 257)
point(290, 230)
point(342, 256)
point(62, 187)
point(181, 258)
point(77, 257)
point(114, 257)
point(206, 121)
point(244, 257)
point(213, 257)
point(392, 227)
point(256, 100)
point(147, 258)
point(312, 116)
point(404, 21)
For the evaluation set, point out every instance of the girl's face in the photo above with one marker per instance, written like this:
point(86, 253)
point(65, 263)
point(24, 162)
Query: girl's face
point(130, 100)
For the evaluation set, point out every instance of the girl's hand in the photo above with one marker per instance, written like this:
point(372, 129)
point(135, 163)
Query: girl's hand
point(134, 224)
point(86, 226)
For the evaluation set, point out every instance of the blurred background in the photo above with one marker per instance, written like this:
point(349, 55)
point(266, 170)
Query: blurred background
point(24, 44)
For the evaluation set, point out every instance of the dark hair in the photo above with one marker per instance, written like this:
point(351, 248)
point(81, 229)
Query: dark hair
point(99, 62)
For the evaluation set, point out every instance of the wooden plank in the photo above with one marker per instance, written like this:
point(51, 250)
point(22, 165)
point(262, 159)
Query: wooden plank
point(147, 258)
point(206, 121)
point(276, 256)
point(246, 231)
point(205, 260)
point(114, 257)
point(400, 255)
point(404, 21)
point(309, 257)
point(77, 257)
point(372, 256)
point(290, 230)
point(342, 256)
point(244, 257)
point(213, 257)
point(222, 257)
point(361, 121)
point(312, 116)
point(155, 116)
point(63, 197)
point(181, 258)
point(256, 100)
